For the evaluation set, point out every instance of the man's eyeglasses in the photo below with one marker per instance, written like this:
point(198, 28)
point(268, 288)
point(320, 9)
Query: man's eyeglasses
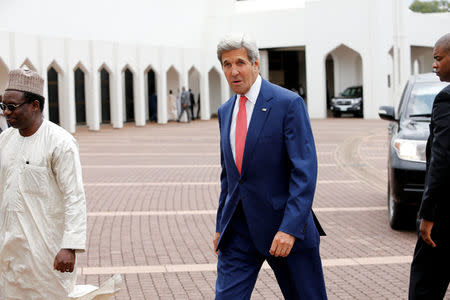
point(10, 107)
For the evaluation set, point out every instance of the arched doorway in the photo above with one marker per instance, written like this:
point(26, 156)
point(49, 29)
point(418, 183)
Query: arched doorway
point(105, 96)
point(287, 68)
point(80, 96)
point(129, 95)
point(214, 91)
point(344, 82)
point(421, 59)
point(194, 87)
point(152, 99)
point(53, 95)
point(173, 93)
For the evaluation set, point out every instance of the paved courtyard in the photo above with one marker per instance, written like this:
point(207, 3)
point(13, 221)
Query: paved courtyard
point(152, 193)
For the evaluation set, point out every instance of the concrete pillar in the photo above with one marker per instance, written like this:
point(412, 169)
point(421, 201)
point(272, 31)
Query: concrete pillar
point(264, 64)
point(94, 103)
point(44, 76)
point(315, 78)
point(68, 104)
point(162, 97)
point(116, 98)
point(205, 113)
point(225, 88)
point(139, 97)
point(401, 49)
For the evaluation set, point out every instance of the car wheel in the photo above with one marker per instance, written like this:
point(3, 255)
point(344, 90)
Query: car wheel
point(400, 216)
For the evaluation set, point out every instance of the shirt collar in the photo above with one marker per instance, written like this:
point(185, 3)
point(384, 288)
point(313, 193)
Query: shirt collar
point(253, 93)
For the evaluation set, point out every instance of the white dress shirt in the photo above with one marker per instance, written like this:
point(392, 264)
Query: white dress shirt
point(251, 95)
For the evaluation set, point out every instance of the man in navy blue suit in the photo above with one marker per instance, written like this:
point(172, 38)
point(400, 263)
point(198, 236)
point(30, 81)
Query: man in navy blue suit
point(268, 179)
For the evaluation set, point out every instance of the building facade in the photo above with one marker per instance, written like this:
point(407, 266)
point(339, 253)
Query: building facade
point(102, 60)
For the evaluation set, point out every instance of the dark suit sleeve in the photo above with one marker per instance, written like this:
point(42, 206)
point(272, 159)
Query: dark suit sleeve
point(223, 183)
point(301, 151)
point(438, 173)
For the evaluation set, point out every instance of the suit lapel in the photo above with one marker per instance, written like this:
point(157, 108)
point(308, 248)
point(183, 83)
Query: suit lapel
point(259, 116)
point(227, 119)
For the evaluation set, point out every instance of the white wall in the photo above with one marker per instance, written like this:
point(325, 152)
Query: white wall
point(151, 21)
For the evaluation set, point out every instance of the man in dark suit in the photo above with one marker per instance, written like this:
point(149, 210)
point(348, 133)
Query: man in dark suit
point(191, 104)
point(268, 179)
point(184, 98)
point(430, 269)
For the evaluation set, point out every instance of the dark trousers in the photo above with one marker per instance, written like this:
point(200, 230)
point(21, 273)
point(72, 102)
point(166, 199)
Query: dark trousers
point(184, 109)
point(191, 108)
point(198, 110)
point(299, 275)
point(430, 273)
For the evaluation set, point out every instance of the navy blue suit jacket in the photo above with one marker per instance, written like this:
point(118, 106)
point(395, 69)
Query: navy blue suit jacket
point(279, 170)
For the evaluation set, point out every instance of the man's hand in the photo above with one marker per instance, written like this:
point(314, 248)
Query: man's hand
point(282, 244)
point(425, 232)
point(216, 239)
point(65, 260)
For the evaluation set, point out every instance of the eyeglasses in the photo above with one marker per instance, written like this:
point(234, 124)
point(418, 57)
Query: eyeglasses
point(10, 107)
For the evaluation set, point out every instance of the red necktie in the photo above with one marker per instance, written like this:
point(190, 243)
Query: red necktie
point(241, 132)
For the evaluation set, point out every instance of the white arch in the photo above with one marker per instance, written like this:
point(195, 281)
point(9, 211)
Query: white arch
point(105, 67)
point(124, 91)
point(3, 76)
point(28, 64)
point(173, 84)
point(130, 68)
point(54, 64)
point(60, 85)
point(81, 66)
point(215, 91)
point(83, 69)
point(347, 67)
point(147, 89)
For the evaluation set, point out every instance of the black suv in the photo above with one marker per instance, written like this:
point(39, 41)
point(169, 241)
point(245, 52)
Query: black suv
point(349, 101)
point(408, 134)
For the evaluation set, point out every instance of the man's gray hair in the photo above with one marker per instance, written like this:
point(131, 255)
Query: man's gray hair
point(237, 41)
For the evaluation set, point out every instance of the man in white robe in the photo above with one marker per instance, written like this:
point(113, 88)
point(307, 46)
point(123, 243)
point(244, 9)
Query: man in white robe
point(172, 107)
point(42, 200)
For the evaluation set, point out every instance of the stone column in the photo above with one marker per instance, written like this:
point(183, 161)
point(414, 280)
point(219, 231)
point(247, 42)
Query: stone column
point(315, 78)
point(44, 76)
point(69, 119)
point(162, 97)
point(139, 98)
point(93, 94)
point(264, 64)
point(204, 97)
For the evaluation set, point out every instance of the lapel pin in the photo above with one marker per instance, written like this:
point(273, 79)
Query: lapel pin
point(264, 109)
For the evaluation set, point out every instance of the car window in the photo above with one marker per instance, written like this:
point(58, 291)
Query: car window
point(352, 92)
point(422, 97)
